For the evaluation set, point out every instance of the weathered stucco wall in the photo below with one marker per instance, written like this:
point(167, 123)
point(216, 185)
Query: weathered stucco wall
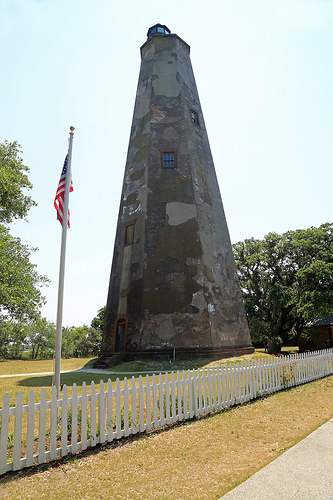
point(175, 284)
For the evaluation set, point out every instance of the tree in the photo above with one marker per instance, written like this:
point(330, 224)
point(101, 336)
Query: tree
point(40, 338)
point(20, 284)
point(287, 280)
point(12, 339)
point(88, 341)
point(98, 321)
point(82, 341)
point(20, 294)
point(14, 204)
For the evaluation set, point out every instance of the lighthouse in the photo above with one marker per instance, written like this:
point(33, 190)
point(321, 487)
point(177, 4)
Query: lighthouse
point(173, 286)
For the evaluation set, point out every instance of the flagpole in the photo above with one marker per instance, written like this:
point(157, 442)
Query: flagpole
point(57, 356)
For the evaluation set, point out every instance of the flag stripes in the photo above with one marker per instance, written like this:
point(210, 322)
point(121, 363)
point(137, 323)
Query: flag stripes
point(60, 194)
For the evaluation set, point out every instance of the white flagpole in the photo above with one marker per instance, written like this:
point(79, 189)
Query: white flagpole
point(62, 268)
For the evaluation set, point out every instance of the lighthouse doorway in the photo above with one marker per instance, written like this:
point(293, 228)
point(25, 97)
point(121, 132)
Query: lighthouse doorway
point(120, 336)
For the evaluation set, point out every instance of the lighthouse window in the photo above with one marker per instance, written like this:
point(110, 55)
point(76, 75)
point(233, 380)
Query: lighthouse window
point(194, 117)
point(129, 234)
point(169, 160)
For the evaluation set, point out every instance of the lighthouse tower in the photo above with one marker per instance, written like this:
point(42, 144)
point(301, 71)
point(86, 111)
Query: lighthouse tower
point(173, 286)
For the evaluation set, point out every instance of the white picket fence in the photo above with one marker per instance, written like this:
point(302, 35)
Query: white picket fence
point(39, 431)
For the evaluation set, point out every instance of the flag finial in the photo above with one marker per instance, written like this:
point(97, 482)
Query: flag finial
point(72, 128)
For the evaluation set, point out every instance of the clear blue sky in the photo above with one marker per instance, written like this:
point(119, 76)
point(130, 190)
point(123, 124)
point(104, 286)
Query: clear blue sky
point(265, 79)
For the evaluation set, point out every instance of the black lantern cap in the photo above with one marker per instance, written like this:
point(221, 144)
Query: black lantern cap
point(158, 28)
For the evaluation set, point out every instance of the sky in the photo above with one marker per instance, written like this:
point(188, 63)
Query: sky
point(265, 77)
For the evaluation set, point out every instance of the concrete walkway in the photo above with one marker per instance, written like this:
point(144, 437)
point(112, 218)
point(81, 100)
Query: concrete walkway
point(303, 472)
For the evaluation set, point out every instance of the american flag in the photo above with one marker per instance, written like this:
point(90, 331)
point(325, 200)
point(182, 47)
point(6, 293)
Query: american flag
point(60, 194)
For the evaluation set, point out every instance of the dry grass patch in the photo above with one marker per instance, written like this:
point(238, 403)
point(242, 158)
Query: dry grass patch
point(201, 459)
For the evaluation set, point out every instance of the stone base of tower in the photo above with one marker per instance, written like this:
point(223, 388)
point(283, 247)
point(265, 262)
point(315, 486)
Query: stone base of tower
point(170, 354)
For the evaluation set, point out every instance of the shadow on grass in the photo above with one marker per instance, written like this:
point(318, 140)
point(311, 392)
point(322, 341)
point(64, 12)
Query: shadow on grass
point(67, 379)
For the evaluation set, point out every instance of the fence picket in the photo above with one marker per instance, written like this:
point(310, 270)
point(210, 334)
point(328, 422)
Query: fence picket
point(4, 432)
point(154, 391)
point(109, 404)
point(185, 396)
point(167, 399)
point(93, 398)
point(30, 429)
point(209, 379)
point(141, 407)
point(126, 410)
point(74, 420)
point(218, 388)
point(118, 410)
point(148, 402)
point(173, 397)
point(64, 417)
point(161, 400)
point(179, 397)
point(232, 384)
point(54, 423)
point(102, 413)
point(42, 426)
point(195, 391)
point(18, 431)
point(135, 427)
point(84, 417)
point(190, 394)
point(200, 389)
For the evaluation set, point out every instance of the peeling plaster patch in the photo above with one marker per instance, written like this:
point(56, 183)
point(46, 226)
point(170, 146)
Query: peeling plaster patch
point(135, 176)
point(166, 330)
point(142, 104)
point(179, 213)
point(211, 308)
point(158, 113)
point(135, 210)
point(198, 299)
point(167, 83)
point(170, 134)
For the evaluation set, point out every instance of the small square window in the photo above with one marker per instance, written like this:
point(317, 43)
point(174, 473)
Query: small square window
point(129, 234)
point(169, 160)
point(194, 117)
